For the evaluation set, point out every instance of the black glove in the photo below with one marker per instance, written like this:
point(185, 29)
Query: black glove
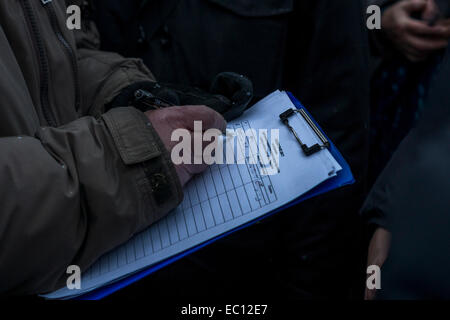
point(229, 95)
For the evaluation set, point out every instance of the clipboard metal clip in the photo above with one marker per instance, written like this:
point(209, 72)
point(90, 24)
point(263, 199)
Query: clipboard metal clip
point(309, 151)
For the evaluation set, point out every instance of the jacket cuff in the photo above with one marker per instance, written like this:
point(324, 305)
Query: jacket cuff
point(374, 209)
point(124, 74)
point(127, 96)
point(139, 145)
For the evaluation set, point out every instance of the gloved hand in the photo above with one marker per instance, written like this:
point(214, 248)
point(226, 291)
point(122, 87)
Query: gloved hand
point(229, 94)
point(166, 120)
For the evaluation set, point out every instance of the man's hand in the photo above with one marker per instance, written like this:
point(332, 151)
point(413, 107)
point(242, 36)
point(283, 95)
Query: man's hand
point(378, 253)
point(167, 120)
point(415, 38)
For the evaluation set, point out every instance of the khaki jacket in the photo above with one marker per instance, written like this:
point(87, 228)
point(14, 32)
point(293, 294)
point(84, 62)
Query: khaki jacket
point(75, 181)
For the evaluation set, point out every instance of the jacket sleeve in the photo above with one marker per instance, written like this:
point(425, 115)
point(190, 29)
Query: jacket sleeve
point(72, 193)
point(416, 180)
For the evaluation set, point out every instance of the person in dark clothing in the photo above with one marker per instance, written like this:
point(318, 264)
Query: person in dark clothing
point(317, 49)
point(409, 50)
point(412, 41)
point(411, 200)
point(77, 179)
point(190, 42)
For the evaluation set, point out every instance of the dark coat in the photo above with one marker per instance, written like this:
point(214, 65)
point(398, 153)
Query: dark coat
point(75, 180)
point(172, 38)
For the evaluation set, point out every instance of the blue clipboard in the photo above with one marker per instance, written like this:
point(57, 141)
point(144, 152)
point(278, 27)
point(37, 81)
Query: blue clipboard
point(343, 178)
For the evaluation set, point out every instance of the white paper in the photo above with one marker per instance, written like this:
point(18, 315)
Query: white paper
point(221, 199)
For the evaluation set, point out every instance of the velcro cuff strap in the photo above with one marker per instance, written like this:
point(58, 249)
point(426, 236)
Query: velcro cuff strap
point(133, 134)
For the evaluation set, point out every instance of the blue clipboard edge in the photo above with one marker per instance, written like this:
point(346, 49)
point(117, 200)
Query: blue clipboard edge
point(343, 178)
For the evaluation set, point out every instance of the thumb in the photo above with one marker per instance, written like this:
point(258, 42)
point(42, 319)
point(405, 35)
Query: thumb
point(411, 6)
point(209, 118)
point(431, 11)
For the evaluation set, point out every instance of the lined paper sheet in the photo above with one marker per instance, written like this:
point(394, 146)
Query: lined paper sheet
point(222, 198)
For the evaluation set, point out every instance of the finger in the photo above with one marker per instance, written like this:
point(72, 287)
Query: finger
point(420, 28)
point(416, 57)
point(411, 6)
point(194, 169)
point(425, 45)
point(412, 54)
point(209, 118)
point(443, 23)
point(431, 11)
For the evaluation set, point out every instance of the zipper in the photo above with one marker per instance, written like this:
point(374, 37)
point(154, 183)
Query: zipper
point(48, 5)
point(44, 70)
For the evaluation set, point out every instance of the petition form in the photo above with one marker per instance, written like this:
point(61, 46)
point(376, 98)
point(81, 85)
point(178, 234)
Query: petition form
point(223, 198)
